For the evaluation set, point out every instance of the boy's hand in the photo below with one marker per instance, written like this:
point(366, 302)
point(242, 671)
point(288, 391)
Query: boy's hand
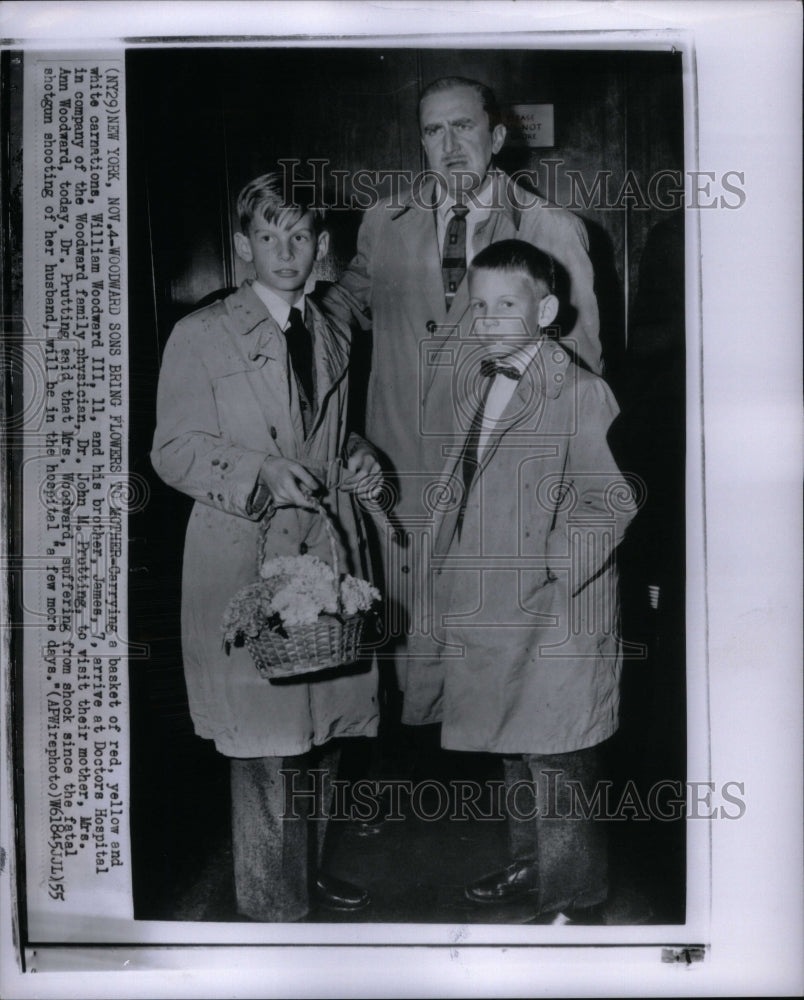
point(363, 470)
point(290, 483)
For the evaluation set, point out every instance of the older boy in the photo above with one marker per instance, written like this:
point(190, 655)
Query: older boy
point(251, 415)
point(525, 584)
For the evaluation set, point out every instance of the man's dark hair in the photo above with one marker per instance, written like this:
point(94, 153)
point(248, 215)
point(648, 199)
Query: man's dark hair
point(486, 95)
point(517, 256)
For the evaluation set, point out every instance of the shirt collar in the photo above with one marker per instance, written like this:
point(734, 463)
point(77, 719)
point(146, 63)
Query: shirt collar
point(479, 203)
point(502, 188)
point(276, 305)
point(523, 356)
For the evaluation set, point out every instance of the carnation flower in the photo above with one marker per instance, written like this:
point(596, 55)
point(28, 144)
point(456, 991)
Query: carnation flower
point(357, 595)
point(300, 608)
point(299, 568)
point(293, 590)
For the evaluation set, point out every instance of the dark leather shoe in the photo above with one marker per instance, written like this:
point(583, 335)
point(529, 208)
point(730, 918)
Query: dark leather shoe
point(518, 880)
point(335, 894)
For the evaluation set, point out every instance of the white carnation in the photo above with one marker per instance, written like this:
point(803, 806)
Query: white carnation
point(357, 595)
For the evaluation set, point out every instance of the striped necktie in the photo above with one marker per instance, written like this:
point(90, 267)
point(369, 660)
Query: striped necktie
point(453, 258)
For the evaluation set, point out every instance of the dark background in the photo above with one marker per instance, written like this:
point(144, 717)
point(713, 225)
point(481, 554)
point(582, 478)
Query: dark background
point(203, 122)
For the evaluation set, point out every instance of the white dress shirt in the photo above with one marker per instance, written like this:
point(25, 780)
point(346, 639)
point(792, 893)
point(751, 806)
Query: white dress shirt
point(502, 389)
point(479, 205)
point(280, 311)
point(276, 305)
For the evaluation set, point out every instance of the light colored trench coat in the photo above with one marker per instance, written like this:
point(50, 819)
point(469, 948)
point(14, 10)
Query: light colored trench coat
point(394, 285)
point(524, 597)
point(224, 403)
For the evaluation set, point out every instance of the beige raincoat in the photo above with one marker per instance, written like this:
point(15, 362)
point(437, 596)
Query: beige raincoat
point(225, 402)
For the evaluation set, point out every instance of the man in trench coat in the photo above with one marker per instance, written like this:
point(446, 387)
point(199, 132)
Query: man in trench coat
point(395, 285)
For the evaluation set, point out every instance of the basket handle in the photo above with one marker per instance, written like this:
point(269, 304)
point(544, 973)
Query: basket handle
point(333, 547)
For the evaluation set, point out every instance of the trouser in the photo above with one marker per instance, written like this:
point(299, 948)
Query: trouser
point(277, 853)
point(546, 825)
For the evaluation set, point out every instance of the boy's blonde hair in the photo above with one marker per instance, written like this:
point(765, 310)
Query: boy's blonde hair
point(266, 197)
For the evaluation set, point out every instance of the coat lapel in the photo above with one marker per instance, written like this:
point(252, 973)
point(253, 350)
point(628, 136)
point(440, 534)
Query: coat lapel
point(446, 517)
point(331, 346)
point(416, 227)
point(262, 352)
point(503, 220)
point(542, 380)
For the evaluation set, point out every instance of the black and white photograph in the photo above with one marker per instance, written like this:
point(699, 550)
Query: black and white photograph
point(430, 790)
point(377, 513)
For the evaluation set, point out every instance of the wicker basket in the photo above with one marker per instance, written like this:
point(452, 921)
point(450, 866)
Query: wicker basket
point(329, 642)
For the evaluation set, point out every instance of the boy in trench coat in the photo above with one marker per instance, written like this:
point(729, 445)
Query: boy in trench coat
point(251, 420)
point(525, 607)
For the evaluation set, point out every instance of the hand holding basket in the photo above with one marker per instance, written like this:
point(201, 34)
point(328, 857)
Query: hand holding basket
point(284, 642)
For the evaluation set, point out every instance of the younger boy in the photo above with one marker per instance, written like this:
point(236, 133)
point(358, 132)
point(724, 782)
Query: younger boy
point(251, 420)
point(525, 585)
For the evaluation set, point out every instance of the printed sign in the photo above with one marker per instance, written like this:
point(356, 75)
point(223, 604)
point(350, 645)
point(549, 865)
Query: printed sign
point(531, 125)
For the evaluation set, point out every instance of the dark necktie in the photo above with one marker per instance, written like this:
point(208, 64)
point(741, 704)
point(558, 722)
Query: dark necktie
point(469, 458)
point(453, 258)
point(300, 349)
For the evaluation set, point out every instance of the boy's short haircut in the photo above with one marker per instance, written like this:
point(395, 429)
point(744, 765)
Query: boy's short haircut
point(275, 198)
point(517, 256)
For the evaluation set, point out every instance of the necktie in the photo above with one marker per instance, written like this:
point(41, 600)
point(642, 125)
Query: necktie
point(453, 258)
point(470, 452)
point(489, 368)
point(300, 349)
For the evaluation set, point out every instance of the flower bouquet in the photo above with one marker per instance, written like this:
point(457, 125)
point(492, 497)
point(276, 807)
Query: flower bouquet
point(302, 616)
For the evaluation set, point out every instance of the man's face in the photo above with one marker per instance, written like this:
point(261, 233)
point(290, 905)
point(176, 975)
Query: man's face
point(283, 253)
point(456, 137)
point(508, 309)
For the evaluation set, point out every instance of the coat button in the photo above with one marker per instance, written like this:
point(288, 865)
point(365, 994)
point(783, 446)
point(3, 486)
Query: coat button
point(216, 461)
point(303, 548)
point(273, 432)
point(406, 569)
point(220, 497)
point(224, 465)
point(431, 326)
point(210, 496)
